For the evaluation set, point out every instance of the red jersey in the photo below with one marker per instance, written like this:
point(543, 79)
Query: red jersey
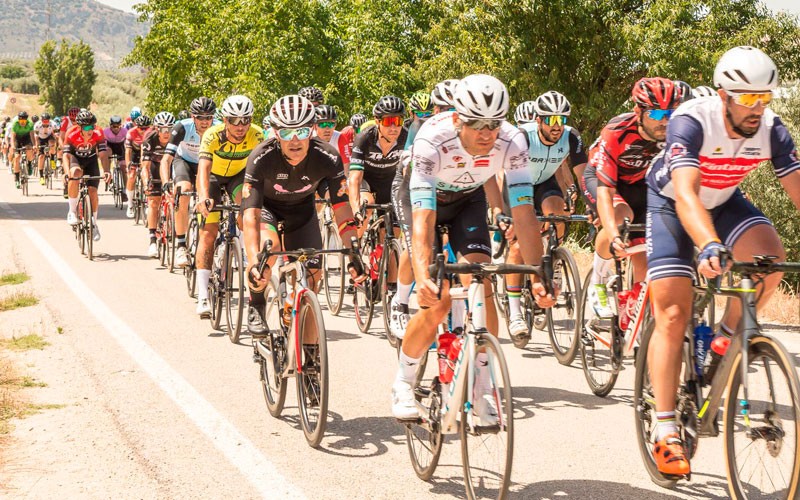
point(135, 138)
point(66, 124)
point(80, 147)
point(346, 137)
point(620, 154)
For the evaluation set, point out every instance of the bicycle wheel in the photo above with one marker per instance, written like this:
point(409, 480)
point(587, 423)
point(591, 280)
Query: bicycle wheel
point(171, 239)
point(390, 260)
point(272, 382)
point(190, 271)
point(234, 290)
point(500, 295)
point(487, 444)
point(138, 201)
point(424, 437)
point(80, 227)
point(596, 337)
point(89, 223)
point(644, 404)
point(24, 181)
point(562, 318)
point(335, 275)
point(761, 453)
point(216, 294)
point(118, 188)
point(160, 243)
point(312, 381)
point(363, 305)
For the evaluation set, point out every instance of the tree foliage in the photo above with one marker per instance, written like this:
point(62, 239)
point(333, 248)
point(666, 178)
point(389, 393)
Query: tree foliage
point(66, 74)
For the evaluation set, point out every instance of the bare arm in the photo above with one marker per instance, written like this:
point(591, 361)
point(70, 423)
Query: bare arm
point(605, 209)
point(164, 167)
point(791, 183)
point(354, 178)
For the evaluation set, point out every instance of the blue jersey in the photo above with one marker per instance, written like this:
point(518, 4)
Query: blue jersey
point(544, 160)
point(185, 141)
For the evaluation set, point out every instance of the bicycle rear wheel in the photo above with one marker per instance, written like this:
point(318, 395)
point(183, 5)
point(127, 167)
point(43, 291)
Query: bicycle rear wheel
point(562, 318)
point(89, 232)
point(190, 271)
point(596, 341)
point(363, 305)
point(138, 200)
point(334, 276)
point(80, 227)
point(312, 381)
point(24, 182)
point(216, 294)
point(487, 443)
point(391, 260)
point(170, 235)
point(234, 290)
point(761, 452)
point(273, 384)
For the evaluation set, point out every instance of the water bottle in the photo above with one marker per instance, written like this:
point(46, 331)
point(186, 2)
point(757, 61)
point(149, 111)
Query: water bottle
point(452, 357)
point(719, 346)
point(445, 341)
point(627, 304)
point(375, 261)
point(703, 334)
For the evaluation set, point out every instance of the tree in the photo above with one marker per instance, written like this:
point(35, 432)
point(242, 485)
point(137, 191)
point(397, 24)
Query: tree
point(66, 74)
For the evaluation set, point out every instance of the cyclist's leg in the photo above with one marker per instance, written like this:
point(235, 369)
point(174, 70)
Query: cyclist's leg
point(205, 246)
point(405, 275)
point(184, 176)
point(75, 171)
point(40, 159)
point(153, 203)
point(552, 201)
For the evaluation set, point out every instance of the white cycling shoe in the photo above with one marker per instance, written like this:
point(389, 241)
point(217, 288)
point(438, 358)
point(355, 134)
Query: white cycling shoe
point(404, 406)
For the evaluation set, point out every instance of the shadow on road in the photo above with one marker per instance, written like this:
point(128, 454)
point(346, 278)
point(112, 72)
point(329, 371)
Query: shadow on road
point(590, 489)
point(529, 399)
point(361, 437)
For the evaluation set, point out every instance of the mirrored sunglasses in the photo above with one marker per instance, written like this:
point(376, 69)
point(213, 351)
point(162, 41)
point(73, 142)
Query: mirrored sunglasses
point(287, 134)
point(750, 99)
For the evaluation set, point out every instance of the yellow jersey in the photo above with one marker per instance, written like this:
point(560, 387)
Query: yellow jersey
point(227, 158)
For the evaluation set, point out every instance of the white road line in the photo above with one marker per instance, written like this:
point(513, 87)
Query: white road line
point(239, 451)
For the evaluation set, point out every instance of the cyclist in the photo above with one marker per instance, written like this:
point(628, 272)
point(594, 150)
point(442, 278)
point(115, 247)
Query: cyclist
point(453, 157)
point(182, 115)
point(223, 157)
point(282, 177)
point(325, 126)
point(83, 146)
point(525, 113)
point(614, 178)
point(267, 127)
point(685, 89)
point(4, 133)
point(313, 94)
point(346, 138)
point(180, 158)
point(553, 146)
point(153, 146)
point(421, 108)
point(704, 91)
point(135, 113)
point(694, 200)
point(115, 135)
point(442, 96)
point(21, 138)
point(133, 153)
point(44, 137)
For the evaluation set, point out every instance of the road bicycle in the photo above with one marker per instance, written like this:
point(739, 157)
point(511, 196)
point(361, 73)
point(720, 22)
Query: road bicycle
point(333, 264)
point(296, 342)
point(760, 415)
point(192, 237)
point(84, 229)
point(25, 170)
point(165, 231)
point(117, 182)
point(49, 168)
point(139, 199)
point(487, 441)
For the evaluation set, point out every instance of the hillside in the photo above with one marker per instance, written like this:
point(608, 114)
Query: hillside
point(23, 27)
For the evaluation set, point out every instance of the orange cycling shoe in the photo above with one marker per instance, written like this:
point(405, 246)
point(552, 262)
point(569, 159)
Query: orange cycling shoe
point(669, 456)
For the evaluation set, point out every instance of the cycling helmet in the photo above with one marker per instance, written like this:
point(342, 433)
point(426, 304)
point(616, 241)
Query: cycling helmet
point(143, 121)
point(265, 122)
point(660, 93)
point(552, 103)
point(183, 114)
point(357, 120)
point(442, 93)
point(218, 114)
point(313, 94)
point(73, 112)
point(115, 120)
point(420, 101)
point(325, 112)
point(164, 119)
point(136, 112)
point(35, 118)
point(745, 69)
point(525, 112)
point(237, 106)
point(85, 118)
point(685, 90)
point(292, 111)
point(202, 106)
point(481, 96)
point(389, 105)
point(22, 115)
point(46, 116)
point(704, 91)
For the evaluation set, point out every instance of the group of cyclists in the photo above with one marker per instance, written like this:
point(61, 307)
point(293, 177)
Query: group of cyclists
point(450, 156)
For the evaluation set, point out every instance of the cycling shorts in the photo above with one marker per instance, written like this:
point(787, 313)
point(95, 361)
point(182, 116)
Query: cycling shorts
point(24, 141)
point(154, 186)
point(545, 190)
point(401, 200)
point(89, 166)
point(300, 227)
point(184, 171)
point(232, 185)
point(670, 250)
point(633, 195)
point(117, 149)
point(381, 186)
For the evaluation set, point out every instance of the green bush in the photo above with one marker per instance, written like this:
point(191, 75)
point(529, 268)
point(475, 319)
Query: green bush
point(24, 85)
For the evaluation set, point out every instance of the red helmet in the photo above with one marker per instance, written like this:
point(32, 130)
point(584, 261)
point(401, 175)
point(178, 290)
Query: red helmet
point(73, 112)
point(660, 93)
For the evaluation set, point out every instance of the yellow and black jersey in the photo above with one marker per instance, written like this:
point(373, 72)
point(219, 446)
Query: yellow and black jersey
point(227, 158)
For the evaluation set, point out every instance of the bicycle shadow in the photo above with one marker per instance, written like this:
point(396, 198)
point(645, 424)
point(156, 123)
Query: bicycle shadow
point(529, 399)
point(593, 489)
point(104, 257)
point(337, 335)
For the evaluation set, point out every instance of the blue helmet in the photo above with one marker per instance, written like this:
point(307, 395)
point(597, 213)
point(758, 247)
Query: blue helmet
point(136, 112)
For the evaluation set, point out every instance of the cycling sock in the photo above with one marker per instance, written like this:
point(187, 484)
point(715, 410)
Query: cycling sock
point(180, 239)
point(94, 216)
point(203, 275)
point(600, 269)
point(514, 293)
point(129, 192)
point(73, 205)
point(403, 292)
point(152, 235)
point(666, 424)
point(407, 369)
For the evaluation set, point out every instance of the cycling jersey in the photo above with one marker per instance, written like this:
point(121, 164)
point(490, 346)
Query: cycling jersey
point(441, 170)
point(152, 149)
point(368, 156)
point(43, 132)
point(185, 140)
point(696, 138)
point(346, 137)
point(227, 158)
point(544, 160)
point(112, 138)
point(621, 154)
point(134, 140)
point(66, 124)
point(78, 146)
point(20, 130)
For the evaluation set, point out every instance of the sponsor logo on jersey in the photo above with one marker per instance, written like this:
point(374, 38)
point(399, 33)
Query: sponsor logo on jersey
point(246, 190)
point(465, 178)
point(717, 151)
point(472, 228)
point(482, 162)
point(525, 199)
point(282, 176)
point(677, 150)
point(458, 159)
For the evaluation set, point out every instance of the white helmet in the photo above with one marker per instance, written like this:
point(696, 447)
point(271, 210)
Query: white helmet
point(525, 112)
point(237, 106)
point(703, 91)
point(552, 103)
point(481, 96)
point(164, 119)
point(746, 68)
point(442, 93)
point(292, 111)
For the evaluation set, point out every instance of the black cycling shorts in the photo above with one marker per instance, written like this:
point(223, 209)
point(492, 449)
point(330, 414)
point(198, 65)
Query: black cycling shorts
point(117, 149)
point(184, 171)
point(380, 186)
point(545, 190)
point(300, 226)
point(89, 167)
point(634, 195)
point(24, 141)
point(154, 186)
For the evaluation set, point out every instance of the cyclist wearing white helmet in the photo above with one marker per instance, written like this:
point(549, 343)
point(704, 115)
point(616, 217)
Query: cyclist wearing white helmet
point(153, 146)
point(281, 178)
point(442, 96)
point(704, 91)
point(455, 160)
point(525, 113)
point(712, 144)
point(223, 157)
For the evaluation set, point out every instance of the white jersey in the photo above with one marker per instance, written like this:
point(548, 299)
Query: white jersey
point(42, 132)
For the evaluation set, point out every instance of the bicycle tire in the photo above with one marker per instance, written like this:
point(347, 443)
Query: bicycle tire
point(565, 345)
point(335, 274)
point(138, 201)
point(391, 253)
point(273, 384)
point(215, 296)
point(363, 305)
point(234, 290)
point(80, 227)
point(24, 182)
point(171, 239)
point(312, 400)
point(480, 478)
point(190, 271)
point(773, 432)
point(595, 349)
point(162, 249)
point(89, 222)
point(425, 443)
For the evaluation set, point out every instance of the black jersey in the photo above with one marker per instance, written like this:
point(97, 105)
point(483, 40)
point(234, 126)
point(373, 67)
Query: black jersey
point(367, 154)
point(152, 149)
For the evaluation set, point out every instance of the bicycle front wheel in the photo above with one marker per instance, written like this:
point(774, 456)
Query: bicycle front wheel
point(424, 437)
point(761, 445)
point(89, 222)
point(596, 341)
point(190, 271)
point(562, 318)
point(170, 234)
point(272, 382)
point(487, 428)
point(312, 380)
point(138, 201)
point(391, 261)
point(234, 290)
point(334, 276)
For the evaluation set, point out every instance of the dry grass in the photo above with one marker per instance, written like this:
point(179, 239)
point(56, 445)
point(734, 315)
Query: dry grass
point(24, 102)
point(17, 300)
point(13, 278)
point(12, 404)
point(25, 343)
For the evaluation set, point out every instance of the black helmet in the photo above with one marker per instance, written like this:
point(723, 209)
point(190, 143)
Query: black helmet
point(86, 118)
point(23, 115)
point(46, 116)
point(313, 94)
point(325, 112)
point(183, 114)
point(115, 120)
point(686, 90)
point(202, 106)
point(35, 118)
point(143, 121)
point(357, 120)
point(389, 105)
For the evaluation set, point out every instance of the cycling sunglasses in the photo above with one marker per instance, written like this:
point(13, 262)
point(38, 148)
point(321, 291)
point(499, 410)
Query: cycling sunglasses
point(87, 127)
point(240, 120)
point(203, 118)
point(163, 130)
point(659, 114)
point(750, 99)
point(423, 114)
point(481, 123)
point(326, 124)
point(301, 133)
point(391, 121)
point(554, 119)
